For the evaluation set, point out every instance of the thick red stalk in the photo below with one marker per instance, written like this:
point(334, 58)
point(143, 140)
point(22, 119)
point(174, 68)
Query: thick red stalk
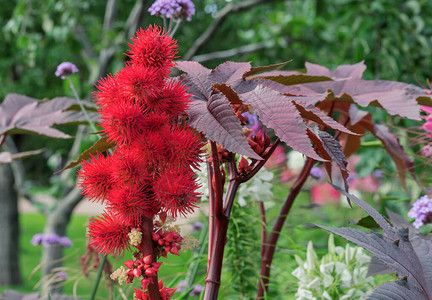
point(211, 213)
point(148, 249)
point(270, 247)
point(263, 227)
point(219, 232)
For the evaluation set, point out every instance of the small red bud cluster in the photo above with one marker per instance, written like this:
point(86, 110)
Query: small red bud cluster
point(165, 293)
point(142, 266)
point(167, 242)
point(259, 143)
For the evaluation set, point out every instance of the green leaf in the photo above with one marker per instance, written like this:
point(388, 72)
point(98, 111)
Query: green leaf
point(101, 145)
point(368, 222)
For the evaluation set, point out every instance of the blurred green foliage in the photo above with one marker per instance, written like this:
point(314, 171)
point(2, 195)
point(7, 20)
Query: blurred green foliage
point(393, 37)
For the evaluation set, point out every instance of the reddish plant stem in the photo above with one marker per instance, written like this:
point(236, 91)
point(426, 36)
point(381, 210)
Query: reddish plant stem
point(262, 162)
point(270, 247)
point(147, 246)
point(217, 181)
point(214, 269)
point(2, 139)
point(211, 214)
point(263, 227)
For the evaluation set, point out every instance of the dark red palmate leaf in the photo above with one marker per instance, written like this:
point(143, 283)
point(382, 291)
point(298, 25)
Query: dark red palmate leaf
point(22, 114)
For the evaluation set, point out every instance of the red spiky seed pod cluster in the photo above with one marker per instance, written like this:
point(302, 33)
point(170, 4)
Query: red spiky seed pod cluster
point(151, 170)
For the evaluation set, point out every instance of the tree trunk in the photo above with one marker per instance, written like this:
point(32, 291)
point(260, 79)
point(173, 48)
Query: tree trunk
point(9, 234)
point(52, 255)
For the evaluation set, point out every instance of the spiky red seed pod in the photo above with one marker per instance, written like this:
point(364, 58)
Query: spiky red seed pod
point(153, 47)
point(133, 203)
point(171, 99)
point(130, 166)
point(137, 83)
point(123, 123)
point(95, 177)
point(108, 91)
point(187, 147)
point(154, 148)
point(108, 235)
point(176, 190)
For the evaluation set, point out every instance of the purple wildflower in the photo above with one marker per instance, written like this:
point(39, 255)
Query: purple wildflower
point(421, 211)
point(352, 176)
point(175, 9)
point(182, 286)
point(65, 69)
point(50, 239)
point(197, 226)
point(197, 290)
point(62, 275)
point(378, 174)
point(65, 242)
point(317, 173)
point(252, 122)
point(37, 239)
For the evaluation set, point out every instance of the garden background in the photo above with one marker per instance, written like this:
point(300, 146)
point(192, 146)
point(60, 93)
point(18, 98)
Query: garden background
point(393, 38)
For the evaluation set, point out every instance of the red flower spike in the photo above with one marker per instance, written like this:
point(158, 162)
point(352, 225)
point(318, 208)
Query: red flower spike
point(166, 293)
point(169, 237)
point(174, 251)
point(157, 265)
point(163, 216)
point(137, 273)
point(153, 47)
point(150, 272)
point(144, 283)
point(129, 264)
point(160, 284)
point(108, 235)
point(139, 294)
point(147, 259)
point(95, 177)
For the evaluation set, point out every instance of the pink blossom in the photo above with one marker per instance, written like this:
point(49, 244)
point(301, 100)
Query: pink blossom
point(324, 193)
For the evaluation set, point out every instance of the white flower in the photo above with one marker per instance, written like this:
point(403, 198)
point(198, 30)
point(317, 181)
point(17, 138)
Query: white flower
point(340, 274)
